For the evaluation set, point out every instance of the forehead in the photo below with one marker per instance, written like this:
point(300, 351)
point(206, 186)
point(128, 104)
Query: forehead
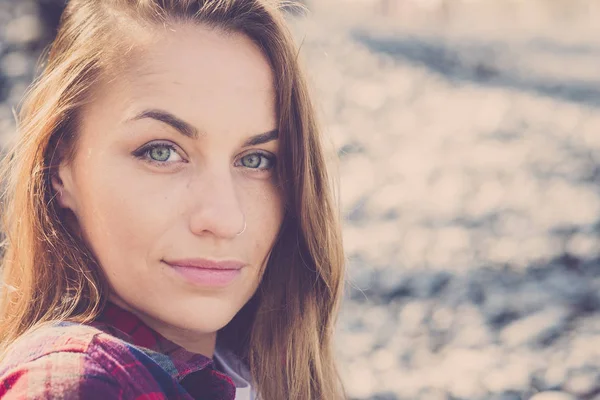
point(184, 52)
point(196, 70)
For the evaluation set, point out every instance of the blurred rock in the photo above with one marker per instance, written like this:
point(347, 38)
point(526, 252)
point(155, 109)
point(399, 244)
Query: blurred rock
point(506, 396)
point(537, 329)
point(511, 377)
point(555, 376)
point(15, 65)
point(413, 316)
point(553, 396)
point(384, 396)
point(362, 382)
point(433, 394)
point(583, 382)
point(23, 30)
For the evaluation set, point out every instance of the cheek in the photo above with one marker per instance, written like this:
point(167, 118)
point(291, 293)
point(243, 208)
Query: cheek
point(115, 209)
point(265, 213)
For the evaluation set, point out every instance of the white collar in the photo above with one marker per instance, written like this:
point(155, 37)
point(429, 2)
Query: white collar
point(231, 365)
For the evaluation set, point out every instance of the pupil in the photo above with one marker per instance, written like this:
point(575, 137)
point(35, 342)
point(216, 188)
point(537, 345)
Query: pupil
point(252, 161)
point(160, 153)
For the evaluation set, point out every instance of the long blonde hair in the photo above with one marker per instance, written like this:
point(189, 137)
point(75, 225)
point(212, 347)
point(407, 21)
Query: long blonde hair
point(285, 332)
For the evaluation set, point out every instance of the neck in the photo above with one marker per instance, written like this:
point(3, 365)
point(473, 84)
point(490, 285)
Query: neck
point(192, 341)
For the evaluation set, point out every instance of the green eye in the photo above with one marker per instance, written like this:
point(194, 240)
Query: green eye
point(160, 153)
point(257, 161)
point(252, 161)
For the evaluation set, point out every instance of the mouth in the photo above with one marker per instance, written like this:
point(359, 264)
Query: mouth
point(207, 273)
point(203, 263)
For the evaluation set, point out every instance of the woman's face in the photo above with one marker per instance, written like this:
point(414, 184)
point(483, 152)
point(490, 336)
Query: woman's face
point(174, 159)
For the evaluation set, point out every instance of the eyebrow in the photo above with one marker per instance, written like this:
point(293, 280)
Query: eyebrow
point(262, 138)
point(190, 131)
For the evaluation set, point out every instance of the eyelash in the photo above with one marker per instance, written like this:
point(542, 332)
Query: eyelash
point(268, 156)
point(143, 154)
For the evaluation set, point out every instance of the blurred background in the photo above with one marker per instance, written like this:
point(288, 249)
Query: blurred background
point(468, 137)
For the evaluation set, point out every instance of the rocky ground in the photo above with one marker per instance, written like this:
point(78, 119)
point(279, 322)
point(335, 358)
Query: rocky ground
point(469, 160)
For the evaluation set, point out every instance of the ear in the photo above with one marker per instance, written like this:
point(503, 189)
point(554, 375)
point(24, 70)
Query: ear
point(62, 182)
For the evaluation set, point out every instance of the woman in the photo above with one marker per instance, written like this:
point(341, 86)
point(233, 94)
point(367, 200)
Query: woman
point(169, 227)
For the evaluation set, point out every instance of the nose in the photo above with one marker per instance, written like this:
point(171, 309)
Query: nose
point(215, 205)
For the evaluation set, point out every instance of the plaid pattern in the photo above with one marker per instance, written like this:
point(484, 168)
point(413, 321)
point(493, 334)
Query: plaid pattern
point(116, 357)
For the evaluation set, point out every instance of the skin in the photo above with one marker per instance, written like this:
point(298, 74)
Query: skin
point(137, 210)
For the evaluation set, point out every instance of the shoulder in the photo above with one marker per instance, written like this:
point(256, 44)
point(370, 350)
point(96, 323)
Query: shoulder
point(65, 360)
point(59, 338)
point(52, 338)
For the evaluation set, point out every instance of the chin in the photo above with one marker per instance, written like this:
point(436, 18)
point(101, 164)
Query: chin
point(205, 316)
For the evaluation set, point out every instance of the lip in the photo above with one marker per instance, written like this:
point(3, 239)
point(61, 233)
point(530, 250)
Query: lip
point(203, 263)
point(207, 273)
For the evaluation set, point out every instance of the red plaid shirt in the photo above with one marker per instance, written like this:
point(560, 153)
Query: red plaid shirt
point(117, 357)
